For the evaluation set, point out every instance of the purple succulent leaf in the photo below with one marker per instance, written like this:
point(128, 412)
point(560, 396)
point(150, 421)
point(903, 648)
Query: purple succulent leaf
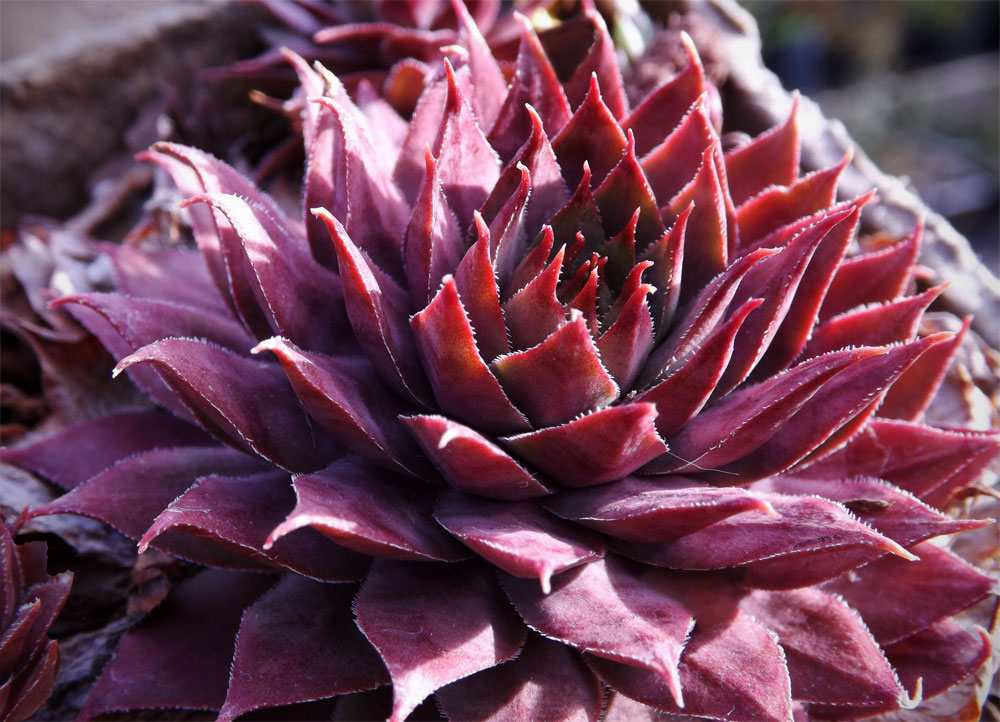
point(346, 397)
point(26, 640)
point(799, 320)
point(15, 651)
point(534, 83)
point(73, 455)
point(770, 159)
point(873, 277)
point(517, 537)
point(626, 344)
point(129, 495)
point(463, 385)
point(451, 623)
point(534, 313)
point(314, 312)
point(914, 391)
point(189, 639)
point(368, 511)
point(297, 643)
point(149, 273)
point(641, 623)
point(592, 135)
point(782, 205)
point(433, 243)
point(559, 378)
point(805, 526)
point(377, 309)
point(624, 709)
point(376, 212)
point(236, 515)
point(533, 263)
point(921, 593)
point(487, 78)
point(477, 286)
point(939, 657)
point(644, 510)
point(584, 453)
point(624, 190)
point(731, 668)
point(549, 191)
point(832, 657)
point(380, 114)
point(580, 216)
point(776, 280)
point(468, 167)
point(268, 422)
point(30, 687)
point(678, 158)
point(745, 420)
point(547, 681)
point(684, 393)
point(585, 301)
point(471, 462)
point(660, 112)
point(508, 234)
point(619, 257)
point(667, 255)
point(892, 322)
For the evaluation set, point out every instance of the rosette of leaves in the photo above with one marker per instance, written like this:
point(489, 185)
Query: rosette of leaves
point(546, 407)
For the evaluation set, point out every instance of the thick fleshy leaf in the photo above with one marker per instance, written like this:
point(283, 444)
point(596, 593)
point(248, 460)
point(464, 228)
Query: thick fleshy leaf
point(623, 191)
point(377, 309)
point(433, 241)
point(612, 610)
point(667, 255)
point(670, 165)
point(559, 378)
point(592, 135)
point(625, 345)
point(508, 234)
point(731, 669)
point(806, 526)
point(580, 216)
point(547, 681)
point(477, 286)
point(268, 422)
point(29, 688)
point(346, 397)
point(148, 273)
point(236, 515)
point(770, 159)
point(189, 641)
point(584, 452)
point(129, 495)
point(660, 112)
point(534, 312)
point(468, 167)
point(832, 657)
point(452, 622)
point(517, 537)
point(487, 78)
point(463, 385)
point(920, 593)
point(369, 512)
point(641, 510)
point(71, 456)
point(939, 657)
point(472, 463)
point(299, 643)
point(534, 83)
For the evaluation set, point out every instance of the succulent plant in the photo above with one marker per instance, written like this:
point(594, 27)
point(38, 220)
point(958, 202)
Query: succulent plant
point(547, 406)
point(30, 600)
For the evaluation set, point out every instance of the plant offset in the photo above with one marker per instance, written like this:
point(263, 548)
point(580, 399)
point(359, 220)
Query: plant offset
point(546, 406)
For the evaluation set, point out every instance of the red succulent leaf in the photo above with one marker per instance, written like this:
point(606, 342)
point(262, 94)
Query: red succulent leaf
point(583, 452)
point(580, 216)
point(534, 312)
point(641, 623)
point(939, 657)
point(770, 159)
point(642, 510)
point(619, 256)
point(149, 273)
point(624, 190)
point(235, 515)
point(463, 385)
point(73, 455)
point(517, 537)
point(832, 657)
point(922, 592)
point(477, 286)
point(547, 681)
point(660, 112)
point(559, 378)
point(297, 643)
point(269, 422)
point(671, 164)
point(533, 263)
point(667, 255)
point(27, 690)
point(189, 638)
point(592, 135)
point(369, 512)
point(626, 344)
point(487, 78)
point(508, 234)
point(376, 307)
point(471, 462)
point(534, 83)
point(451, 623)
